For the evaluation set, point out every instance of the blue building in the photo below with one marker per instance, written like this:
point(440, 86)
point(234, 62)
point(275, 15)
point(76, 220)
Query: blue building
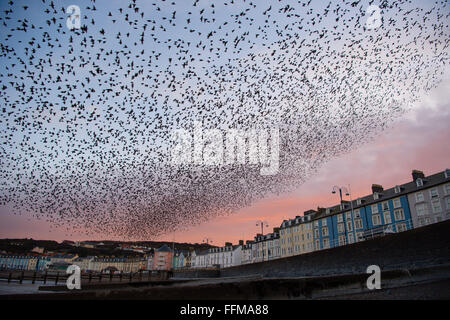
point(382, 212)
point(42, 263)
point(13, 262)
point(178, 260)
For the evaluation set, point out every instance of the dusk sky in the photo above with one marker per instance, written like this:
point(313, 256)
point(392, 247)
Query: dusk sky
point(418, 141)
point(87, 114)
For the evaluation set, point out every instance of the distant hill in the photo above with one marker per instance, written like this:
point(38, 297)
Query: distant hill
point(109, 248)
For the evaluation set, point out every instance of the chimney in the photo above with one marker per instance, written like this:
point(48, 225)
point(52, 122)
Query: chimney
point(276, 230)
point(248, 242)
point(228, 244)
point(416, 174)
point(241, 242)
point(377, 188)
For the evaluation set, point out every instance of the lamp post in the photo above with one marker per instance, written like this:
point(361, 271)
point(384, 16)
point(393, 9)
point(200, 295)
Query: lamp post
point(347, 193)
point(206, 240)
point(262, 224)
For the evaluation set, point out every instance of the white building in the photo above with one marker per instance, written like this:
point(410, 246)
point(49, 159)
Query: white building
point(247, 253)
point(85, 263)
point(200, 259)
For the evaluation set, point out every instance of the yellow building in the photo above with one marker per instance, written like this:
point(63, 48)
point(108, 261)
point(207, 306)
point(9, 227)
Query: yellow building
point(286, 239)
point(32, 263)
point(296, 235)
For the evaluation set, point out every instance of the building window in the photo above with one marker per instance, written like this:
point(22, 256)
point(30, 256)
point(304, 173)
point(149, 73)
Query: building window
point(349, 226)
point(351, 238)
point(341, 228)
point(399, 214)
point(397, 189)
point(341, 240)
point(397, 203)
point(324, 222)
point(325, 231)
point(326, 243)
point(419, 197)
point(385, 206)
point(375, 196)
point(436, 206)
point(317, 245)
point(358, 202)
point(349, 216)
point(374, 208)
point(316, 233)
point(419, 182)
point(359, 236)
point(387, 218)
point(376, 220)
point(401, 227)
point(448, 203)
point(358, 224)
point(434, 193)
point(340, 218)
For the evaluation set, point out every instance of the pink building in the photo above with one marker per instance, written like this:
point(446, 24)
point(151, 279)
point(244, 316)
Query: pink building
point(163, 258)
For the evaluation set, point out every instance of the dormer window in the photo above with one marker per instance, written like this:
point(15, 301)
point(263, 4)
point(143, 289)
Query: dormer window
point(398, 189)
point(376, 196)
point(358, 202)
point(447, 173)
point(419, 182)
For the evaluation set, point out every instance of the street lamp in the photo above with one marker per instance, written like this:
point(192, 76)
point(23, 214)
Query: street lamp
point(206, 240)
point(340, 189)
point(347, 193)
point(262, 224)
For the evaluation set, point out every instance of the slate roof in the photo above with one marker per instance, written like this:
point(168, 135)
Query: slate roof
point(387, 194)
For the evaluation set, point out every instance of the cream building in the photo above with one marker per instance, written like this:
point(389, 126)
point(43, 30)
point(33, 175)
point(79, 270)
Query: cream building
point(296, 235)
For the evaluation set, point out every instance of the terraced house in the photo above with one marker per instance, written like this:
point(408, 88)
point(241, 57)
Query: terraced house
point(422, 201)
point(266, 247)
point(296, 235)
point(247, 253)
point(429, 197)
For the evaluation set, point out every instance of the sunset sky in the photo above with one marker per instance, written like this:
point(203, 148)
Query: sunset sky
point(418, 141)
point(89, 163)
